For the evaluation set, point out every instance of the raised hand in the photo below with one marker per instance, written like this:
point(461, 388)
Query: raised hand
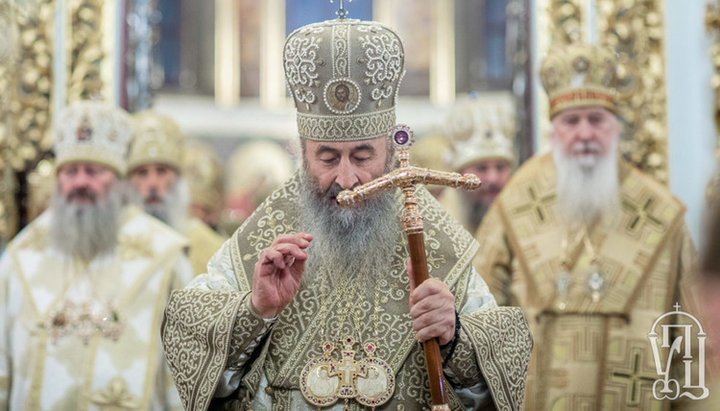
point(277, 274)
point(432, 309)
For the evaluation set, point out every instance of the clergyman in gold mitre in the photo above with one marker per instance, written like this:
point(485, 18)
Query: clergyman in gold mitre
point(593, 250)
point(203, 171)
point(155, 167)
point(254, 170)
point(331, 283)
point(432, 151)
point(480, 129)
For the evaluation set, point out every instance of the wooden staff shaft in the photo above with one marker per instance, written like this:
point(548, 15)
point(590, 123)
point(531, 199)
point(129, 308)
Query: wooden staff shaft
point(433, 359)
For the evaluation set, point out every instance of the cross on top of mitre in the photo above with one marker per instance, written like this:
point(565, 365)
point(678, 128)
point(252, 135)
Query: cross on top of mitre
point(341, 13)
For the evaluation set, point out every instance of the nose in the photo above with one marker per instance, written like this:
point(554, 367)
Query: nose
point(490, 176)
point(153, 180)
point(585, 131)
point(82, 179)
point(347, 176)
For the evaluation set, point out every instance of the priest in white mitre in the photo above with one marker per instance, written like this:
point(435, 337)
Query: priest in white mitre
point(82, 288)
point(309, 305)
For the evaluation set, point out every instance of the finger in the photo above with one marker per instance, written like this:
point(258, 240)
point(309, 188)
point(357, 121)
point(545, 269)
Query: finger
point(430, 332)
point(291, 250)
point(411, 275)
point(444, 306)
point(443, 317)
point(274, 257)
point(429, 287)
point(301, 240)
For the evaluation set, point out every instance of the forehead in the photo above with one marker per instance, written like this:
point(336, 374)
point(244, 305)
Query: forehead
point(158, 164)
point(378, 144)
point(84, 165)
point(583, 111)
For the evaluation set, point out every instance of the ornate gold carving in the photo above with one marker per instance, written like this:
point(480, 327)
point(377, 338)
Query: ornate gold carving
point(634, 29)
point(25, 87)
point(712, 25)
point(25, 84)
point(566, 21)
point(87, 53)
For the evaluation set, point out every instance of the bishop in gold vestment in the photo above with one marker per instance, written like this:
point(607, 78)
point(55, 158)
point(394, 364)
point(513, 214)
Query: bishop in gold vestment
point(593, 250)
point(308, 305)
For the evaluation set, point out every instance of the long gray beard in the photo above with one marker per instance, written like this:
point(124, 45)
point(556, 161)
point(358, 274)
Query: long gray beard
point(586, 189)
point(172, 210)
point(347, 242)
point(86, 230)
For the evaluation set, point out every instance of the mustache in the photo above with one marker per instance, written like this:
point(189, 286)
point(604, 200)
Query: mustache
point(332, 192)
point(154, 197)
point(583, 147)
point(83, 193)
point(491, 188)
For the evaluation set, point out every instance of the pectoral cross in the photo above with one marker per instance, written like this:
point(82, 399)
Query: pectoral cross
point(348, 369)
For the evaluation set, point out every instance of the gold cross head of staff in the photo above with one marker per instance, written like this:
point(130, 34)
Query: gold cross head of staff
point(406, 177)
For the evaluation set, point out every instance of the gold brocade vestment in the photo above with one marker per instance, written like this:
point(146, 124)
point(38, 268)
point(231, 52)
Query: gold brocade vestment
point(589, 354)
point(208, 329)
point(203, 241)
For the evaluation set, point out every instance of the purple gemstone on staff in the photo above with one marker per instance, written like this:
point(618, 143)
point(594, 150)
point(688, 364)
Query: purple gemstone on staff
point(401, 137)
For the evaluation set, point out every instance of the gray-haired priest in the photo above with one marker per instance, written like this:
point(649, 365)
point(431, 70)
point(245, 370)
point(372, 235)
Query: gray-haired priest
point(307, 299)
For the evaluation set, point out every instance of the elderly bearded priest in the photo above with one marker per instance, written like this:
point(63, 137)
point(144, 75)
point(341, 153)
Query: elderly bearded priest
point(306, 296)
point(155, 166)
point(83, 286)
point(591, 249)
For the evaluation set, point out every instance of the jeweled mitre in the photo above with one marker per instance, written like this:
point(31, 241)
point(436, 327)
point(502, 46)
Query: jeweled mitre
point(578, 75)
point(344, 77)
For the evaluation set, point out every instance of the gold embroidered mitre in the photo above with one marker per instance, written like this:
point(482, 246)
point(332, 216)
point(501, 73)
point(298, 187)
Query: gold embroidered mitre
point(579, 75)
point(92, 131)
point(203, 172)
point(479, 132)
point(432, 151)
point(156, 139)
point(344, 76)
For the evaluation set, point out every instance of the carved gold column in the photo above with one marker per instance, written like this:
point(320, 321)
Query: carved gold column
point(712, 25)
point(87, 55)
point(635, 30)
point(558, 22)
point(25, 88)
point(566, 21)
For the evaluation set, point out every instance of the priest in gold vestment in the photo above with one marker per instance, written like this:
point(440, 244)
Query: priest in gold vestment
point(308, 305)
point(592, 249)
point(155, 166)
point(82, 288)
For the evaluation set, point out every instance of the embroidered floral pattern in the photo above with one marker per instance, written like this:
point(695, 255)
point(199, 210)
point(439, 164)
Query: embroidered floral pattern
point(301, 62)
point(383, 54)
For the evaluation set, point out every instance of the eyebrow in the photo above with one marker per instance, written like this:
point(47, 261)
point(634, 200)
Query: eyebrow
point(364, 147)
point(327, 149)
